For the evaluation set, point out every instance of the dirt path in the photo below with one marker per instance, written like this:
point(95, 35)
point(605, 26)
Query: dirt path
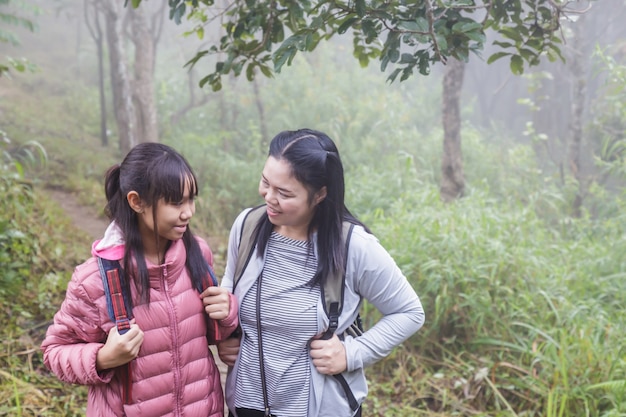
point(88, 219)
point(84, 218)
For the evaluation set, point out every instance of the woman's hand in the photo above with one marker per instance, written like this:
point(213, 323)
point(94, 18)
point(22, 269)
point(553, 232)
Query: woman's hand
point(119, 349)
point(228, 350)
point(329, 356)
point(216, 302)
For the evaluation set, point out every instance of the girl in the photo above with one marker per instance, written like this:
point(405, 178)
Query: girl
point(282, 364)
point(171, 371)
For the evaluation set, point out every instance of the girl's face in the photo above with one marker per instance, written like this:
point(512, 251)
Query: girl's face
point(172, 219)
point(288, 206)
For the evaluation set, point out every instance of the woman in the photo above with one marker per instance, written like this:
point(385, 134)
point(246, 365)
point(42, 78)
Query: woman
point(281, 365)
point(162, 365)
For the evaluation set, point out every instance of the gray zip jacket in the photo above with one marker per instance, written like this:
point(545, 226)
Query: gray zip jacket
point(371, 274)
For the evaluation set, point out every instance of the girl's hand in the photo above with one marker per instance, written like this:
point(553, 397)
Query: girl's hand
point(329, 356)
point(228, 350)
point(216, 302)
point(119, 349)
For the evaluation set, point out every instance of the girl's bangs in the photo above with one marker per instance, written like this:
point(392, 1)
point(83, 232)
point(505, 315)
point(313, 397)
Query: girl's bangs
point(171, 179)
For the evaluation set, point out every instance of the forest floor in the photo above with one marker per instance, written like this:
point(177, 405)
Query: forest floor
point(87, 219)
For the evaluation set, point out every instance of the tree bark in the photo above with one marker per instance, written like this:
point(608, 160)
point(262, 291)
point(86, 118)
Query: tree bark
point(146, 127)
point(120, 85)
point(92, 19)
point(265, 139)
point(452, 184)
point(579, 88)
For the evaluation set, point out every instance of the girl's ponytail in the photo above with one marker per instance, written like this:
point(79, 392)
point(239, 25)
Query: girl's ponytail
point(112, 191)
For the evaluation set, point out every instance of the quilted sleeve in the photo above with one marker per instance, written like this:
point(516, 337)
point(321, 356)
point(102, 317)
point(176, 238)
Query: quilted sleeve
point(74, 338)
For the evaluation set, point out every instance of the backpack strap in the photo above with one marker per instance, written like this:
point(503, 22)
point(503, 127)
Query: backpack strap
point(120, 312)
point(118, 302)
point(247, 241)
point(332, 297)
point(334, 287)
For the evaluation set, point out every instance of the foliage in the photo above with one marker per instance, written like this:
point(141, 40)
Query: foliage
point(265, 35)
point(522, 318)
point(37, 254)
point(10, 16)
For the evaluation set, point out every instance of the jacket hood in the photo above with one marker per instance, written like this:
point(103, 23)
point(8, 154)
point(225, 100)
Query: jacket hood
point(111, 246)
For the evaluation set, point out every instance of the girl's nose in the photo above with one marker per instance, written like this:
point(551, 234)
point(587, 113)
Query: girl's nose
point(188, 210)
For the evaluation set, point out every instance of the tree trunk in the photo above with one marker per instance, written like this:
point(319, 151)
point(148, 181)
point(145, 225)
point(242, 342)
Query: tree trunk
point(146, 127)
point(265, 139)
point(120, 85)
point(452, 183)
point(579, 87)
point(92, 20)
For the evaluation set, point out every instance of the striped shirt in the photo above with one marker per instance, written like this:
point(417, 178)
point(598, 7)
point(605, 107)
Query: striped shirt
point(288, 321)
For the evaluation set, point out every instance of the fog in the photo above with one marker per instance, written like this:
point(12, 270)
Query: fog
point(537, 104)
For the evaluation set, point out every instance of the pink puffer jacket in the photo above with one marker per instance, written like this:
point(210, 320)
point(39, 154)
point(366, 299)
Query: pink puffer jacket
point(175, 373)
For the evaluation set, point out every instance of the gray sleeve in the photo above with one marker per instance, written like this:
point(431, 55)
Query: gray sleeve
point(373, 274)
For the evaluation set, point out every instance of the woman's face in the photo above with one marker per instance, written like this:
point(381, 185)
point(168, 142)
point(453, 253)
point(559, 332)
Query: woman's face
point(288, 206)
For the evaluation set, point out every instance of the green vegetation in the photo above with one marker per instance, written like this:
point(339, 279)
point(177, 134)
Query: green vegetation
point(524, 303)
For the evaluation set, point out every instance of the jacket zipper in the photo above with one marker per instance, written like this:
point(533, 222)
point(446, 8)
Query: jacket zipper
point(175, 350)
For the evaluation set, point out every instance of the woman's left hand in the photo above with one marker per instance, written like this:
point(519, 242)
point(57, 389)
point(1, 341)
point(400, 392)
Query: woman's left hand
point(329, 356)
point(216, 302)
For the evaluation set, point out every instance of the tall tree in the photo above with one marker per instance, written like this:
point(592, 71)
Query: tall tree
point(144, 102)
point(93, 12)
point(452, 179)
point(579, 84)
point(120, 84)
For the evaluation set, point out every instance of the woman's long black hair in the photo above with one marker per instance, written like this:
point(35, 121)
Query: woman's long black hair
point(315, 162)
point(155, 171)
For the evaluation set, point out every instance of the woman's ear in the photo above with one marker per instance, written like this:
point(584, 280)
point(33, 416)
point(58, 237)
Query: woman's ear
point(134, 201)
point(320, 195)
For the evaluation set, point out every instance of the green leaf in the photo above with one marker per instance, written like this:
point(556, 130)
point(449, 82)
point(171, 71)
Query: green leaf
point(281, 58)
point(411, 26)
point(360, 8)
point(250, 71)
point(512, 34)
point(347, 24)
point(517, 65)
point(497, 56)
point(477, 36)
point(369, 30)
point(364, 61)
point(266, 70)
point(466, 26)
point(527, 54)
point(503, 45)
point(422, 24)
point(392, 77)
point(407, 59)
point(278, 32)
point(195, 59)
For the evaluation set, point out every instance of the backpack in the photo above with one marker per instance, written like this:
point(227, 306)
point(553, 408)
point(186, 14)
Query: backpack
point(119, 308)
point(333, 288)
